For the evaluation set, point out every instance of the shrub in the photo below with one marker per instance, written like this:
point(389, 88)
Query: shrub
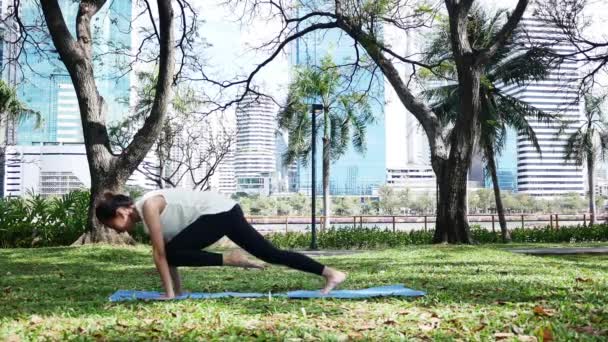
point(38, 221)
point(369, 238)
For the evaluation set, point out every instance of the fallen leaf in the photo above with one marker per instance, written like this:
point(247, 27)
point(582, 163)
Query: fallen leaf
point(588, 329)
point(121, 324)
point(36, 319)
point(547, 334)
point(429, 325)
point(479, 328)
point(517, 330)
point(541, 311)
point(527, 338)
point(390, 322)
point(366, 326)
point(503, 336)
point(354, 336)
point(584, 280)
point(13, 338)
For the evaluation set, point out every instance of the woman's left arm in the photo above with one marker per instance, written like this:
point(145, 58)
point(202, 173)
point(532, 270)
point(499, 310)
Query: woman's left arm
point(151, 213)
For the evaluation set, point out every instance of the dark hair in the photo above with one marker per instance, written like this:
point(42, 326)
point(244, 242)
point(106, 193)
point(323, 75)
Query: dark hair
point(106, 208)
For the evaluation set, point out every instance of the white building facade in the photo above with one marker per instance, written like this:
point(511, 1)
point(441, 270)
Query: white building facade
point(255, 154)
point(547, 174)
point(52, 170)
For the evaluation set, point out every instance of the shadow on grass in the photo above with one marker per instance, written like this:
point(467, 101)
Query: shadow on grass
point(78, 281)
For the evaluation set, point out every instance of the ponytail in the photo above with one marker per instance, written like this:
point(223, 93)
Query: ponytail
point(106, 208)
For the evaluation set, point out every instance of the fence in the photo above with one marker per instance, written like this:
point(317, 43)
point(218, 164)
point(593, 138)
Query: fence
point(398, 222)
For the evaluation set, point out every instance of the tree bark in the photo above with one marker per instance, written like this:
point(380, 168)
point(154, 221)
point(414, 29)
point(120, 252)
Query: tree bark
point(504, 232)
point(452, 223)
point(108, 172)
point(591, 181)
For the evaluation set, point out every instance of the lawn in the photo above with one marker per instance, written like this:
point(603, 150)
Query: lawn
point(474, 293)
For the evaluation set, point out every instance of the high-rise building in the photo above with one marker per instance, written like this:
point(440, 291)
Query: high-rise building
point(255, 154)
point(545, 174)
point(353, 173)
point(46, 86)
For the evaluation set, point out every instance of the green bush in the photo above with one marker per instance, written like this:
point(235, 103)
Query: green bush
point(369, 238)
point(38, 221)
point(352, 238)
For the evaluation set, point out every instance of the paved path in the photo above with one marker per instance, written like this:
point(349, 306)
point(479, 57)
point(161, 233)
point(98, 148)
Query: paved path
point(563, 250)
point(329, 252)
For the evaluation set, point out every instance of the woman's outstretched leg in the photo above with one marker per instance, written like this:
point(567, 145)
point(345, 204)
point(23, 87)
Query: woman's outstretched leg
point(185, 249)
point(248, 238)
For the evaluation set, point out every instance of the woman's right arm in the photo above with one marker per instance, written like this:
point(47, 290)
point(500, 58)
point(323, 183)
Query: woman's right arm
point(151, 214)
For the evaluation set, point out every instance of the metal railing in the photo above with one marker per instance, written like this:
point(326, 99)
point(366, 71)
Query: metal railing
point(426, 221)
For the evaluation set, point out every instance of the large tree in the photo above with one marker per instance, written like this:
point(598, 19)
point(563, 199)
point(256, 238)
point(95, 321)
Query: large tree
point(365, 22)
point(109, 171)
point(499, 110)
point(343, 120)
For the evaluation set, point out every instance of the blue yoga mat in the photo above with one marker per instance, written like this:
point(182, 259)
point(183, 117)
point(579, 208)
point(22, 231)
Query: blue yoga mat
point(397, 290)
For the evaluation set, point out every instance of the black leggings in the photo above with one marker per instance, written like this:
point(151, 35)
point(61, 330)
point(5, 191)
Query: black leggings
point(185, 249)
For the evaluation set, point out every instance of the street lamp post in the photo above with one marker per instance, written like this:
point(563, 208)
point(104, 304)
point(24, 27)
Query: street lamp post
point(313, 243)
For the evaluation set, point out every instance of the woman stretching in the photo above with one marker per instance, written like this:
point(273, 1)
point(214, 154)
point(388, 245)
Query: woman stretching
point(182, 222)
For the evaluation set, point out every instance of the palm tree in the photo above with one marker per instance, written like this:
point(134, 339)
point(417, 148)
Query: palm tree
point(12, 109)
point(499, 110)
point(346, 114)
point(589, 140)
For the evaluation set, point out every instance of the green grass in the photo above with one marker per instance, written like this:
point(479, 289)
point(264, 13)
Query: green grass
point(474, 293)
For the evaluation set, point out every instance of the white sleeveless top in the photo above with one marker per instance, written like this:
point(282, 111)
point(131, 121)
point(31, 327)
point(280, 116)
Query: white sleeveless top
point(183, 208)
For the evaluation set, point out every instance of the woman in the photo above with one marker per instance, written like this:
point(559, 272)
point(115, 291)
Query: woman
point(182, 222)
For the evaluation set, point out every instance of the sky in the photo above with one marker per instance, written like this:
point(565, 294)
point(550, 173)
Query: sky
point(231, 52)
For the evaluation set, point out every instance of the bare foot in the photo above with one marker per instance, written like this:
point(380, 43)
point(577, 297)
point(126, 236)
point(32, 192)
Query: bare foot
point(333, 278)
point(238, 259)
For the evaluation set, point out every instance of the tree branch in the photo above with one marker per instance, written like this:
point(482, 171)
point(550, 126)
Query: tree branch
point(145, 137)
point(505, 32)
point(62, 38)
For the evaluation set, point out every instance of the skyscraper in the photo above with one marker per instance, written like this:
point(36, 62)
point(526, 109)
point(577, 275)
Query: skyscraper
point(255, 154)
point(545, 174)
point(46, 86)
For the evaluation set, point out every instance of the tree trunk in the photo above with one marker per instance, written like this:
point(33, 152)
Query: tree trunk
point(504, 232)
point(97, 232)
point(108, 172)
point(591, 180)
point(452, 223)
